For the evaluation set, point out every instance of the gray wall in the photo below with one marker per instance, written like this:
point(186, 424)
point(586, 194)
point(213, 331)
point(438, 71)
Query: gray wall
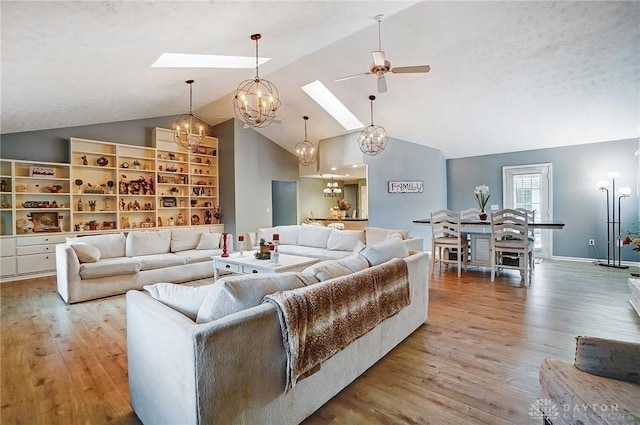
point(576, 200)
point(53, 145)
point(256, 162)
point(406, 161)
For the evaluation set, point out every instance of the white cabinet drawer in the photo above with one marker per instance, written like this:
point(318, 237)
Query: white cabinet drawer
point(36, 263)
point(8, 266)
point(7, 247)
point(235, 268)
point(36, 249)
point(41, 240)
point(251, 270)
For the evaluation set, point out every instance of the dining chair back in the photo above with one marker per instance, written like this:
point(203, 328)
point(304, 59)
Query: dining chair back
point(510, 244)
point(448, 245)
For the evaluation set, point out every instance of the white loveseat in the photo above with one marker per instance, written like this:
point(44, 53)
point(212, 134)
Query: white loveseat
point(98, 266)
point(215, 354)
point(326, 243)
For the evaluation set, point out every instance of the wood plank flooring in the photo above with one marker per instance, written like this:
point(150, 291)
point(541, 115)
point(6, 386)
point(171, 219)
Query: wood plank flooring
point(475, 361)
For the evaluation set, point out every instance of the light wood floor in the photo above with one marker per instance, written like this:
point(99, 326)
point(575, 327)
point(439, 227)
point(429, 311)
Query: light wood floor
point(474, 362)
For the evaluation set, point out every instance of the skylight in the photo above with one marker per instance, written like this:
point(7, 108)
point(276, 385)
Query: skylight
point(184, 60)
point(323, 97)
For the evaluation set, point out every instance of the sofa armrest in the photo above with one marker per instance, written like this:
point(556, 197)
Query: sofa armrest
point(414, 243)
point(67, 272)
point(608, 358)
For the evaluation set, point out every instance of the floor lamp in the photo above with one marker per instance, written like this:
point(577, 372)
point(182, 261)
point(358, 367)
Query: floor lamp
point(611, 220)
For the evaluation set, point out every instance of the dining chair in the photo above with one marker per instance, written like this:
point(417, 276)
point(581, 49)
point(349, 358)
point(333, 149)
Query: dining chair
point(510, 244)
point(531, 214)
point(448, 245)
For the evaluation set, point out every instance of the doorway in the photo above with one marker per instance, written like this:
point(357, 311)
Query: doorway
point(284, 203)
point(351, 196)
point(529, 187)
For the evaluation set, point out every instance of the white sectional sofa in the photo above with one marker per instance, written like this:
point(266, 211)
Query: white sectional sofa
point(326, 243)
point(215, 354)
point(98, 266)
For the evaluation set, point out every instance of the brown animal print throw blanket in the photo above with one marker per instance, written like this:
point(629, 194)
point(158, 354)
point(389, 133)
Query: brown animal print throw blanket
point(319, 320)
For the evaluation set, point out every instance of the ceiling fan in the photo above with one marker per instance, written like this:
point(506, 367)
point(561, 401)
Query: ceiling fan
point(381, 65)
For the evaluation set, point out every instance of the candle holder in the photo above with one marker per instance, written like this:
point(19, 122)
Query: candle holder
point(241, 246)
point(225, 253)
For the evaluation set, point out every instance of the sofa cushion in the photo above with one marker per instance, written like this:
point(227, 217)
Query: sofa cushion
point(289, 234)
point(111, 245)
point(184, 239)
point(109, 267)
point(148, 243)
point(375, 235)
point(209, 241)
point(159, 261)
point(315, 236)
point(182, 298)
point(86, 253)
point(309, 251)
point(344, 240)
point(266, 233)
point(330, 269)
point(385, 251)
point(198, 255)
point(232, 294)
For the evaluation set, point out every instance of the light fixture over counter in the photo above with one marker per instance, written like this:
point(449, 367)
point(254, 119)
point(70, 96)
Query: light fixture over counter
point(256, 101)
point(189, 131)
point(332, 190)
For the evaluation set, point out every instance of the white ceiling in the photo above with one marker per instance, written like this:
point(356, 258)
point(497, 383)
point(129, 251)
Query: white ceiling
point(506, 76)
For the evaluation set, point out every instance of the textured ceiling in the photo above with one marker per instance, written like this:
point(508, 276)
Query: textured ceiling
point(506, 76)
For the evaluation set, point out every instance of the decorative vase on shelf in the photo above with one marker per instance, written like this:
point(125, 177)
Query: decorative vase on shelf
point(482, 215)
point(342, 213)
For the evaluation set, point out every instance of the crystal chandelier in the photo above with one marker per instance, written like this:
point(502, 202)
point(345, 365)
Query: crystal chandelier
point(373, 138)
point(189, 131)
point(332, 190)
point(256, 101)
point(305, 151)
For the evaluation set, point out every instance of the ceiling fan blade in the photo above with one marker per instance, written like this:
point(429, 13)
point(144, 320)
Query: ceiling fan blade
point(410, 69)
point(382, 84)
point(378, 57)
point(352, 76)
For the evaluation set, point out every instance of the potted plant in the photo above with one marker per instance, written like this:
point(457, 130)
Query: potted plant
point(93, 225)
point(92, 205)
point(482, 196)
point(136, 164)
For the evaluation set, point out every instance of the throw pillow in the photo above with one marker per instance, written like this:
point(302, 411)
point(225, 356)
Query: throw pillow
point(266, 233)
point(385, 251)
point(209, 241)
point(236, 293)
point(289, 234)
point(86, 253)
point(185, 299)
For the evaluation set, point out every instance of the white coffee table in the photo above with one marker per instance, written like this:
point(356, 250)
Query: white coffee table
point(249, 264)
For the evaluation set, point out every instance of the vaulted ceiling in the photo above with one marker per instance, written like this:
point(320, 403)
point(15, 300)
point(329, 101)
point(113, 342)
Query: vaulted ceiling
point(505, 76)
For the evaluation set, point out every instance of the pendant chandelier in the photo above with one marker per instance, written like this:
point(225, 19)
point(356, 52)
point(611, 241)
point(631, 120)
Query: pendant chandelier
point(189, 131)
point(256, 101)
point(332, 190)
point(305, 151)
point(373, 138)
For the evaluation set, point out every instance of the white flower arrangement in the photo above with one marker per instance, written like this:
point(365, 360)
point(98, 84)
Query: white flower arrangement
point(482, 195)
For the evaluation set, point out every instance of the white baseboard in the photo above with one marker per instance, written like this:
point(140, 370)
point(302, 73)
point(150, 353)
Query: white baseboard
point(592, 260)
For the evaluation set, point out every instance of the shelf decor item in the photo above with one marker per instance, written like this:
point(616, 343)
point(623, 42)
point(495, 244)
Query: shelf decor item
point(44, 221)
point(36, 171)
point(256, 101)
point(102, 161)
point(189, 131)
